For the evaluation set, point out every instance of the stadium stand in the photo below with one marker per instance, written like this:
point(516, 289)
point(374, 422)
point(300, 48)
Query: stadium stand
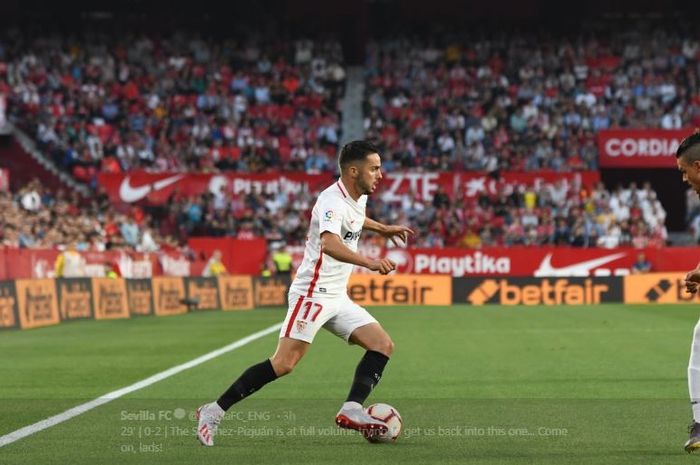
point(524, 101)
point(553, 214)
point(176, 103)
point(519, 102)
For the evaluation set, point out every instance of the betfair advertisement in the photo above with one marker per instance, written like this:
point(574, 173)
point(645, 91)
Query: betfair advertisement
point(658, 288)
point(367, 289)
point(537, 291)
point(31, 303)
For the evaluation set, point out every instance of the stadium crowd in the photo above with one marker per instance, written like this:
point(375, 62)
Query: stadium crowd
point(175, 103)
point(552, 214)
point(515, 101)
point(525, 102)
point(34, 217)
point(501, 101)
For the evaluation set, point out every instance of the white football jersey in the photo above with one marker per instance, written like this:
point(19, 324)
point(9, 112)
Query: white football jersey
point(335, 211)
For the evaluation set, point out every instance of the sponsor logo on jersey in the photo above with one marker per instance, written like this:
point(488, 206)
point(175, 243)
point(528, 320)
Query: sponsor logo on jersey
point(329, 215)
point(352, 236)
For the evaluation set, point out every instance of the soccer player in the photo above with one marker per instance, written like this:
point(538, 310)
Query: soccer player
point(688, 161)
point(318, 297)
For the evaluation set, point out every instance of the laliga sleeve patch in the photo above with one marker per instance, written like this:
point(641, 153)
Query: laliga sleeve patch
point(330, 220)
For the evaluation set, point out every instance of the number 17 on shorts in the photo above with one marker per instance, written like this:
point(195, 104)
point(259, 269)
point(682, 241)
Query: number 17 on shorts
point(305, 316)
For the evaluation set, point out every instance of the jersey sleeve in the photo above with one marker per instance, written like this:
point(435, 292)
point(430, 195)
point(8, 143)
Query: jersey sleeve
point(330, 215)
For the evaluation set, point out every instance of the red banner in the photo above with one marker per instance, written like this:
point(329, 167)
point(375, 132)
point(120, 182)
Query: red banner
point(239, 256)
point(524, 261)
point(245, 257)
point(640, 148)
point(40, 263)
point(473, 184)
point(155, 189)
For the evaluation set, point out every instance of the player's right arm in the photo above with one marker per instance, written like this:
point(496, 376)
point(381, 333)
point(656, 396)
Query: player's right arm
point(333, 246)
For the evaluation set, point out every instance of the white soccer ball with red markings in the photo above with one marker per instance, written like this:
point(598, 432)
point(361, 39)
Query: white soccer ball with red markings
point(390, 416)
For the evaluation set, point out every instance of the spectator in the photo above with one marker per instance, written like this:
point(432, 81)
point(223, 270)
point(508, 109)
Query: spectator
point(641, 265)
point(282, 259)
point(69, 263)
point(215, 266)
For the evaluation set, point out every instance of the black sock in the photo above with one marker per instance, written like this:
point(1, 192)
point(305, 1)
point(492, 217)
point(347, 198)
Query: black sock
point(250, 381)
point(367, 375)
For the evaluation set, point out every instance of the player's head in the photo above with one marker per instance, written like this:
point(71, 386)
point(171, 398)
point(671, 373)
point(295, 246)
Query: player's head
point(360, 164)
point(688, 160)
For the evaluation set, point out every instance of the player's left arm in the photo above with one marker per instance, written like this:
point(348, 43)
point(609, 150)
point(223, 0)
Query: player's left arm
point(391, 232)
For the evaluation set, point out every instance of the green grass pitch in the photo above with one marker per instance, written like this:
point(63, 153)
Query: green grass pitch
point(480, 385)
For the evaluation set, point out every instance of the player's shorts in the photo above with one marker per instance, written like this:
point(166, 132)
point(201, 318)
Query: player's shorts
point(307, 315)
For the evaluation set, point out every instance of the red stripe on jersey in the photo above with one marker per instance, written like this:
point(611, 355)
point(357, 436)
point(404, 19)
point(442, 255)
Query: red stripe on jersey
point(294, 316)
point(341, 190)
point(310, 292)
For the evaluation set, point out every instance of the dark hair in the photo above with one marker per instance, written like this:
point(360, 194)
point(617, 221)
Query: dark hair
point(688, 143)
point(356, 150)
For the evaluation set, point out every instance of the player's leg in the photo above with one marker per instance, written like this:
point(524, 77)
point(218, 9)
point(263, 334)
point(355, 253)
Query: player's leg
point(379, 347)
point(693, 442)
point(295, 338)
point(287, 355)
point(355, 325)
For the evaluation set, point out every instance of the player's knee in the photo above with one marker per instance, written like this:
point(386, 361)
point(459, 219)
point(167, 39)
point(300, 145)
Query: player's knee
point(283, 366)
point(385, 346)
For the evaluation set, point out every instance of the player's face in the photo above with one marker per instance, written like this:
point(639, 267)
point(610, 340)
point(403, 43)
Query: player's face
point(691, 172)
point(369, 174)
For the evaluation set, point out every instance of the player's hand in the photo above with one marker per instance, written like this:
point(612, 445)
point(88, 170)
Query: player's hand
point(398, 232)
point(383, 266)
point(692, 280)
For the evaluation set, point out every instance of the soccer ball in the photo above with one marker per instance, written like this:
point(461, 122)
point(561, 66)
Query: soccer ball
point(388, 415)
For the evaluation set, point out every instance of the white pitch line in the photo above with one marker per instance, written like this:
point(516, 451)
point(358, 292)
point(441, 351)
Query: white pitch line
point(87, 406)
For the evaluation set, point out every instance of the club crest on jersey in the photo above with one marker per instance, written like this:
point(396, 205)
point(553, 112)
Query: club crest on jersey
point(301, 325)
point(352, 236)
point(329, 215)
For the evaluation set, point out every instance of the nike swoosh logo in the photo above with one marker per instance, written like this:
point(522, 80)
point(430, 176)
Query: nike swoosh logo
point(129, 193)
point(576, 269)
